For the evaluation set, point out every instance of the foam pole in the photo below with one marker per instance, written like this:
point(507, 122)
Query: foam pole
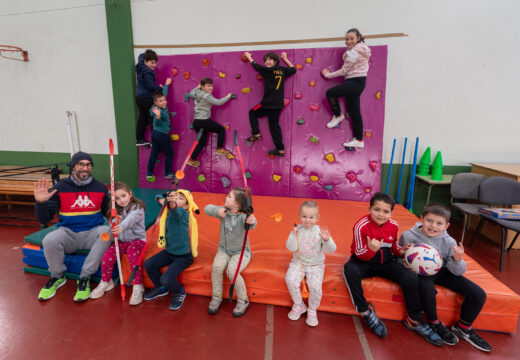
point(401, 174)
point(390, 168)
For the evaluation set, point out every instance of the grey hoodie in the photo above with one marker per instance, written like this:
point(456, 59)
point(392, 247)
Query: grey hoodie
point(203, 103)
point(132, 224)
point(443, 243)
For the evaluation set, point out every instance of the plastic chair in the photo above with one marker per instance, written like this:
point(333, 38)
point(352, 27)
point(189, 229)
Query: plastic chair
point(465, 186)
point(504, 192)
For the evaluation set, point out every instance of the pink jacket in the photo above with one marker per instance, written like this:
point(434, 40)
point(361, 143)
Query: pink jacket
point(355, 62)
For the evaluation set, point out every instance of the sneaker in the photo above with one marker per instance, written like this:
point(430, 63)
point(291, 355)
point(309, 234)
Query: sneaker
point(335, 120)
point(354, 143)
point(141, 143)
point(297, 311)
point(446, 335)
point(150, 177)
point(193, 163)
point(49, 290)
point(214, 304)
point(222, 151)
point(155, 293)
point(374, 323)
point(177, 300)
point(240, 308)
point(102, 288)
point(169, 176)
point(254, 138)
point(312, 318)
point(83, 291)
point(276, 152)
point(471, 336)
point(424, 330)
point(137, 295)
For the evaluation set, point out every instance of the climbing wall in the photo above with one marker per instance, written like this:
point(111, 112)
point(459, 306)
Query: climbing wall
point(315, 165)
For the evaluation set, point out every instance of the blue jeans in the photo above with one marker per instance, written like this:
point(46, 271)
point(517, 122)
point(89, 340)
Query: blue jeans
point(161, 142)
point(177, 264)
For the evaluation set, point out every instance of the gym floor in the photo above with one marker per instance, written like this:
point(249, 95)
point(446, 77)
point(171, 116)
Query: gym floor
point(109, 328)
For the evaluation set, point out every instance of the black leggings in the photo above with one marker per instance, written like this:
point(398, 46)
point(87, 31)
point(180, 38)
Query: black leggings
point(356, 270)
point(351, 89)
point(143, 116)
point(273, 115)
point(474, 296)
point(208, 126)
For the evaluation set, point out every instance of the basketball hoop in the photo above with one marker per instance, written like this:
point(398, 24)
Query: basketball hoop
point(14, 50)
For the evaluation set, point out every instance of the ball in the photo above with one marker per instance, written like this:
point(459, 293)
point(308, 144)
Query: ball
point(423, 259)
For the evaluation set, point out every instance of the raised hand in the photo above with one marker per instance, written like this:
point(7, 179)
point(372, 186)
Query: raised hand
point(41, 190)
point(284, 55)
point(156, 111)
point(168, 81)
point(374, 244)
point(324, 72)
point(458, 251)
point(324, 233)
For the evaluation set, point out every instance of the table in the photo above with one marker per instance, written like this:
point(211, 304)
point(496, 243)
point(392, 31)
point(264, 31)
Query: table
point(427, 180)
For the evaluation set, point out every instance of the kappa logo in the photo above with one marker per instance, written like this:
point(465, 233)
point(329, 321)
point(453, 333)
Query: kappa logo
point(83, 202)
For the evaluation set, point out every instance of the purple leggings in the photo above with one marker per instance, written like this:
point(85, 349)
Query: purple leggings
point(132, 249)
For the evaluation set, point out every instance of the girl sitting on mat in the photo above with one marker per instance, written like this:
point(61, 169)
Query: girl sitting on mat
point(131, 238)
point(307, 242)
point(354, 70)
point(232, 220)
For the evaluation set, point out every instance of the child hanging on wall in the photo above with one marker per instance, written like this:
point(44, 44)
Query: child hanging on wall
point(354, 70)
point(177, 224)
point(131, 235)
point(161, 141)
point(232, 220)
point(273, 101)
point(202, 119)
point(307, 242)
point(146, 86)
point(375, 250)
point(431, 230)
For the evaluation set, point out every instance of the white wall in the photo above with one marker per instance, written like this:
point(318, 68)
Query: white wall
point(453, 81)
point(69, 69)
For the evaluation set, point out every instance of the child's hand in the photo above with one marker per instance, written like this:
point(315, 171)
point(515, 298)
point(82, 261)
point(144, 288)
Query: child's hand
point(405, 248)
point(168, 81)
point(229, 95)
point(251, 219)
point(284, 55)
point(374, 244)
point(222, 212)
point(156, 111)
point(458, 251)
point(116, 230)
point(172, 200)
point(324, 72)
point(324, 233)
point(248, 56)
point(295, 229)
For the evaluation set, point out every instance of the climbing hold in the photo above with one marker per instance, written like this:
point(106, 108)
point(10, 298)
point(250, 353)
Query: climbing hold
point(276, 177)
point(187, 97)
point(298, 95)
point(330, 157)
point(246, 90)
point(201, 178)
point(174, 72)
point(238, 76)
point(314, 178)
point(286, 101)
point(297, 169)
point(368, 134)
point(233, 96)
point(328, 187)
point(221, 74)
point(367, 189)
point(226, 126)
point(260, 77)
point(225, 181)
point(300, 121)
point(186, 75)
point(244, 58)
point(298, 66)
point(205, 62)
point(315, 107)
point(373, 165)
point(271, 156)
point(248, 175)
point(175, 137)
point(378, 95)
point(314, 139)
point(150, 178)
point(277, 217)
point(351, 176)
point(312, 83)
point(308, 60)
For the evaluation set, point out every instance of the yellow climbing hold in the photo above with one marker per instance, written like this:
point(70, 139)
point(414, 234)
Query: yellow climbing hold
point(276, 177)
point(314, 178)
point(221, 74)
point(378, 95)
point(330, 157)
point(175, 137)
point(246, 90)
point(277, 217)
point(308, 60)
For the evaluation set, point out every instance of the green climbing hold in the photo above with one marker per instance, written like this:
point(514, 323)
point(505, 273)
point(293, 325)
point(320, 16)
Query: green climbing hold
point(201, 178)
point(314, 139)
point(248, 175)
point(300, 121)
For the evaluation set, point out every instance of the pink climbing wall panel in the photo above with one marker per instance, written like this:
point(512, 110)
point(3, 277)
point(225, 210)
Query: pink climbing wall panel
point(315, 165)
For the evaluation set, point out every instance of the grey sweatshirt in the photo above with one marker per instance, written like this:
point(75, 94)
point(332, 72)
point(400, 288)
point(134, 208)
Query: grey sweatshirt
point(231, 230)
point(443, 244)
point(203, 103)
point(132, 224)
point(312, 246)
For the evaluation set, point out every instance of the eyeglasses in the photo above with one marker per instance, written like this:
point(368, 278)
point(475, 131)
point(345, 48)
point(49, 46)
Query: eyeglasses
point(84, 165)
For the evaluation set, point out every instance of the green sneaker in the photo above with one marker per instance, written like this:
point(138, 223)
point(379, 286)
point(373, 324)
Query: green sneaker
point(83, 291)
point(49, 290)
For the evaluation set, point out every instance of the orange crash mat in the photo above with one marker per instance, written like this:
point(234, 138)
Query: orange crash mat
point(265, 275)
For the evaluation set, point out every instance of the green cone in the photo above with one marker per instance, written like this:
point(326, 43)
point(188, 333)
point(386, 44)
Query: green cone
point(423, 168)
point(437, 167)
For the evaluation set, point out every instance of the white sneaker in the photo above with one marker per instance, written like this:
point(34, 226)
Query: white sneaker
point(137, 295)
point(335, 121)
point(102, 288)
point(354, 143)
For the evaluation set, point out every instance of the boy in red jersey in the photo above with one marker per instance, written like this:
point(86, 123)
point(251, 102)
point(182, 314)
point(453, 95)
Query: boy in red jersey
point(375, 252)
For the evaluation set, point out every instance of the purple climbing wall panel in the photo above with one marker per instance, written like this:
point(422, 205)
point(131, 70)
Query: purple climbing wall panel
point(315, 165)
